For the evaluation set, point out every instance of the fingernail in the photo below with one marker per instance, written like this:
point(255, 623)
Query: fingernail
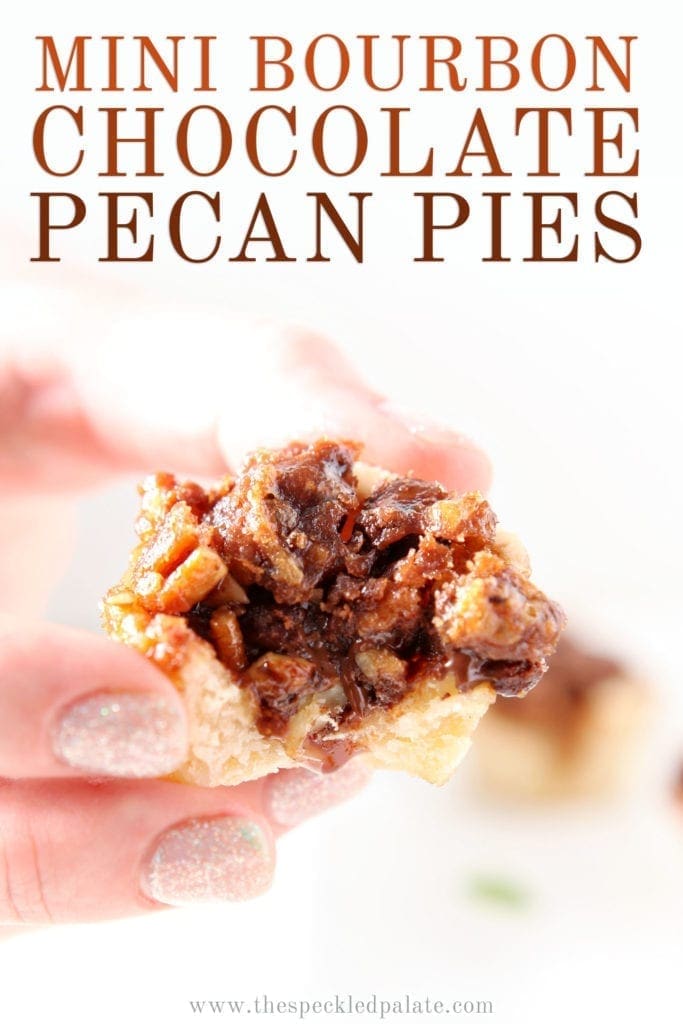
point(206, 860)
point(129, 735)
point(424, 427)
point(297, 794)
point(446, 455)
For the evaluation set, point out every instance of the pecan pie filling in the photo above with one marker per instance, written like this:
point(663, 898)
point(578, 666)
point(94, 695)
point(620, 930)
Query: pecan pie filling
point(306, 584)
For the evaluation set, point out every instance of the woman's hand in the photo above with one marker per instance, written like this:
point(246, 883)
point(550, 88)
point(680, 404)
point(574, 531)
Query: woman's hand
point(88, 830)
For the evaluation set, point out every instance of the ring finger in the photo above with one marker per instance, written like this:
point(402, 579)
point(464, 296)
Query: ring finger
point(73, 703)
point(73, 850)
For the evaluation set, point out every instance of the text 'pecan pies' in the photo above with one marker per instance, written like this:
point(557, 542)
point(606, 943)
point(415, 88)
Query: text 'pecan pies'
point(313, 607)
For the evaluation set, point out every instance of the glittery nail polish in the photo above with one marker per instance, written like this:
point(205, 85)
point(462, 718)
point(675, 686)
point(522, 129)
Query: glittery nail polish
point(206, 860)
point(297, 794)
point(128, 735)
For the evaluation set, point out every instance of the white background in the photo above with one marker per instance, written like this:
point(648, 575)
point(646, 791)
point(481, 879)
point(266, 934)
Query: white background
point(568, 374)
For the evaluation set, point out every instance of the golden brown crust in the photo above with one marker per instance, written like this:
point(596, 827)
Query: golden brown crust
point(381, 618)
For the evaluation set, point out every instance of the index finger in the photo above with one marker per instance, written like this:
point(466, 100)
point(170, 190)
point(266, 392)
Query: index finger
point(193, 393)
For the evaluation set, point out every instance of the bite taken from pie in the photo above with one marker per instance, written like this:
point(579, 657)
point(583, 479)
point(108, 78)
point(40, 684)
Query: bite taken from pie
point(312, 608)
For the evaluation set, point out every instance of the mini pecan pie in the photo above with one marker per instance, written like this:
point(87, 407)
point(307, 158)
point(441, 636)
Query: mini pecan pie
point(312, 608)
point(575, 735)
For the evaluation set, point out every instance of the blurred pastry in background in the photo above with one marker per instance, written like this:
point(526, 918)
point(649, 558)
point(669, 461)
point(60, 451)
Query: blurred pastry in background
point(576, 734)
point(678, 788)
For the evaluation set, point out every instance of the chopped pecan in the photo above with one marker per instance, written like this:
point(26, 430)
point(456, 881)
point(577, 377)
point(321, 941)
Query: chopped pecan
point(227, 637)
point(196, 577)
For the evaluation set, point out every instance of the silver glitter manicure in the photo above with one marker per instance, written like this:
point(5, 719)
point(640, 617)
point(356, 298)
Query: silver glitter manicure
point(297, 794)
point(206, 860)
point(128, 735)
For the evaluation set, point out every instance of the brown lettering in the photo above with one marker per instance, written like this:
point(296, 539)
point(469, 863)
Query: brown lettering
point(252, 135)
point(264, 61)
point(114, 140)
point(539, 226)
point(174, 225)
point(488, 62)
point(318, 141)
point(60, 70)
point(600, 140)
point(454, 81)
point(271, 236)
point(536, 63)
point(429, 226)
point(618, 226)
point(480, 128)
point(225, 141)
point(45, 225)
point(544, 134)
point(39, 140)
point(354, 243)
point(114, 225)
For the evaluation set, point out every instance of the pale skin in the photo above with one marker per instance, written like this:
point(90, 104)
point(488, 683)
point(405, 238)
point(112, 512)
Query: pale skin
point(64, 428)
